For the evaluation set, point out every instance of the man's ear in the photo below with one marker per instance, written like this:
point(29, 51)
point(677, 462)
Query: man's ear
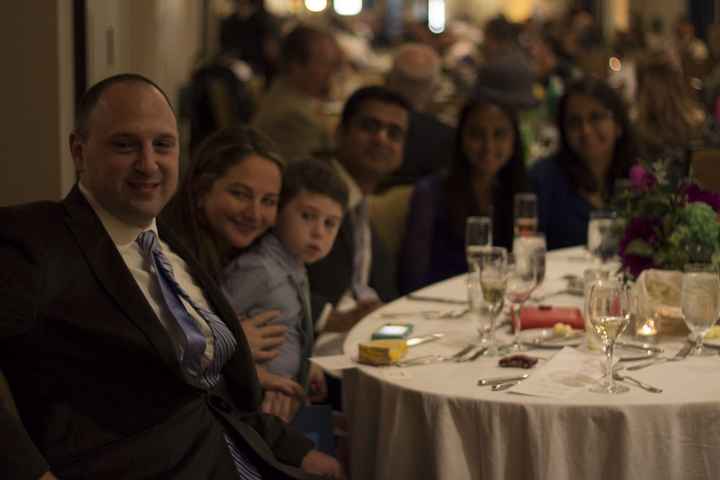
point(77, 147)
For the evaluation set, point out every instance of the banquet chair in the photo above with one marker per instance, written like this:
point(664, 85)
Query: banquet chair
point(388, 214)
point(705, 168)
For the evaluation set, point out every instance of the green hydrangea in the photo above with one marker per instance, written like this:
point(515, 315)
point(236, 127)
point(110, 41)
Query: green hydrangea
point(695, 235)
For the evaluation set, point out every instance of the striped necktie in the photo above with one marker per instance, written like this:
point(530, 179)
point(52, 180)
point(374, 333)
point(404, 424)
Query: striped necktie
point(194, 341)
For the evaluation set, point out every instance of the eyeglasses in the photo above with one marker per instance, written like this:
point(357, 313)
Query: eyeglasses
point(371, 125)
point(593, 119)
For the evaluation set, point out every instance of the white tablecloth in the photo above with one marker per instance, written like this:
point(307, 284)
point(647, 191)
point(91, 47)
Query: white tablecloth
point(434, 421)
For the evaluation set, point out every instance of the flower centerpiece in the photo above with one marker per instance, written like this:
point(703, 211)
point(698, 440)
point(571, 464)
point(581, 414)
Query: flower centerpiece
point(668, 221)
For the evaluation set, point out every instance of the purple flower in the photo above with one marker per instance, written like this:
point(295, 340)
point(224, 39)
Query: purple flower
point(641, 179)
point(696, 194)
point(644, 229)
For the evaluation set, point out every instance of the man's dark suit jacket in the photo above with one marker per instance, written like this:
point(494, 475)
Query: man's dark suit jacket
point(332, 276)
point(94, 373)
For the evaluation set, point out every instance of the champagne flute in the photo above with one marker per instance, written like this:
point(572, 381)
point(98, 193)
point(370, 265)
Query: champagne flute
point(478, 235)
point(491, 267)
point(479, 311)
point(525, 214)
point(609, 312)
point(521, 281)
point(700, 297)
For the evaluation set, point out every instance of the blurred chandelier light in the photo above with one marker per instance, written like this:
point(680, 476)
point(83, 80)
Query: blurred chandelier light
point(316, 5)
point(347, 7)
point(436, 16)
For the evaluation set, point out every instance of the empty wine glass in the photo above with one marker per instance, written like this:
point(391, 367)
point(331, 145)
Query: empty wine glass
point(608, 307)
point(521, 281)
point(600, 235)
point(478, 235)
point(700, 302)
point(532, 247)
point(491, 265)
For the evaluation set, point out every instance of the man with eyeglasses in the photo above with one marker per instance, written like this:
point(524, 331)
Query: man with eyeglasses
point(358, 275)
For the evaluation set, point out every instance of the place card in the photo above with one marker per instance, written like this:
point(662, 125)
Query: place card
point(567, 373)
point(334, 362)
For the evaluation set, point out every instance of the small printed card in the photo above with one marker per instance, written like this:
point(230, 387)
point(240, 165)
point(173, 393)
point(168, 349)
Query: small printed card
point(334, 362)
point(564, 375)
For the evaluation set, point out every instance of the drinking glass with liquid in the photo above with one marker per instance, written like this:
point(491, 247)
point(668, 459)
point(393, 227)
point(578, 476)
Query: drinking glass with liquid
point(525, 214)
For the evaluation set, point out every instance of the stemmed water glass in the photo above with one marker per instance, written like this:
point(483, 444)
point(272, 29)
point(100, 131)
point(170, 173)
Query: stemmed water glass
point(700, 302)
point(521, 281)
point(608, 308)
point(491, 268)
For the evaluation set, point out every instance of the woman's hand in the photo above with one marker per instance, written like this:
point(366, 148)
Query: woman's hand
point(278, 383)
point(282, 405)
point(318, 387)
point(264, 339)
point(283, 397)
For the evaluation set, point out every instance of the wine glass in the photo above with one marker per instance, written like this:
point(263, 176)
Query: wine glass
point(532, 247)
point(599, 235)
point(478, 235)
point(608, 308)
point(700, 296)
point(521, 281)
point(491, 265)
point(525, 214)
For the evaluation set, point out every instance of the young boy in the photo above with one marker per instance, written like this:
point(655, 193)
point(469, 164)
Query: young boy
point(271, 274)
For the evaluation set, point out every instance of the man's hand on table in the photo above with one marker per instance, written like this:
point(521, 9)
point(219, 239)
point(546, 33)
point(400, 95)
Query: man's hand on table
point(344, 321)
point(264, 339)
point(318, 463)
point(48, 476)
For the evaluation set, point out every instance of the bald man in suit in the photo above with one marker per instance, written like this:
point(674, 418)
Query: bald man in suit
point(93, 353)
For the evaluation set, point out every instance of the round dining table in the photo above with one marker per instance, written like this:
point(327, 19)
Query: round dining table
point(435, 422)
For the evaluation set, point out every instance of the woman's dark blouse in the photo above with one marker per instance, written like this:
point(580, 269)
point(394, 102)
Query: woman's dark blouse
point(432, 249)
point(563, 213)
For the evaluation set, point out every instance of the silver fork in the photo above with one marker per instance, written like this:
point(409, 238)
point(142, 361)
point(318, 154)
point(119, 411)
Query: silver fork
point(684, 351)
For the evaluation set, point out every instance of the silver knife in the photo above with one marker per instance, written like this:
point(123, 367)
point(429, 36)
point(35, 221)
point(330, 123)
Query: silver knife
point(414, 341)
point(487, 382)
point(424, 298)
point(640, 346)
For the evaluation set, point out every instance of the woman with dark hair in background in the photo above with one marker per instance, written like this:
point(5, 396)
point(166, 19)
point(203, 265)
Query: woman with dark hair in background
point(597, 148)
point(487, 170)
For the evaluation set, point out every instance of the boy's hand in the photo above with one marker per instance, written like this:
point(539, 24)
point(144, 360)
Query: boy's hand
point(264, 339)
point(344, 321)
point(318, 387)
